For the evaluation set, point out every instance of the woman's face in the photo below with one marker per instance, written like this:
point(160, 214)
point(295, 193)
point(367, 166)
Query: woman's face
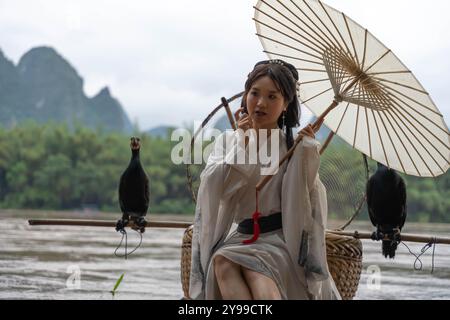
point(265, 103)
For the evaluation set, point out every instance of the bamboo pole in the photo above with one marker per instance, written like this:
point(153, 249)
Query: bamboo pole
point(185, 225)
point(403, 237)
point(106, 223)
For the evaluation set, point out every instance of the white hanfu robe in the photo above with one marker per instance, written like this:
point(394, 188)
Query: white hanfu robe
point(294, 256)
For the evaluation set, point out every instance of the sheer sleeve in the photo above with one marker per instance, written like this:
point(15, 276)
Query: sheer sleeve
point(231, 159)
point(305, 213)
point(222, 179)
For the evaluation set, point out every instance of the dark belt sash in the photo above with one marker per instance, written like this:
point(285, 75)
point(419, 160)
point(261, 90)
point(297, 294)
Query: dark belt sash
point(266, 224)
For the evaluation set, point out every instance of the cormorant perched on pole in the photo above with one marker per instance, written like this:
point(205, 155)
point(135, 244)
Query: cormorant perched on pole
point(386, 202)
point(134, 191)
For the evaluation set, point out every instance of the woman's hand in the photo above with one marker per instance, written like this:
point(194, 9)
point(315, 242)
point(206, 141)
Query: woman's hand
point(312, 129)
point(244, 121)
point(308, 131)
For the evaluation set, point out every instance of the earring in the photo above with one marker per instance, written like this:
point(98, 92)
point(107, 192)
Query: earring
point(284, 116)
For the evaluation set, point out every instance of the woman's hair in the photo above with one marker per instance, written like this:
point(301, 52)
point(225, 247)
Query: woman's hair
point(285, 77)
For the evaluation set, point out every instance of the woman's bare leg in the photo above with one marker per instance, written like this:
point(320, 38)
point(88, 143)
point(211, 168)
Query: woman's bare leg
point(261, 286)
point(231, 282)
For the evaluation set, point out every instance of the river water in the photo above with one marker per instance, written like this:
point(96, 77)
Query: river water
point(59, 262)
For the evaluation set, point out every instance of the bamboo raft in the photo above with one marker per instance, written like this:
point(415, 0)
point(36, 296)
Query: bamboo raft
point(344, 249)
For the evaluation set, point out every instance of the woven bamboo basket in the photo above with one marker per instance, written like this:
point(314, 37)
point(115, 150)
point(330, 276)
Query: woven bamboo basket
point(344, 257)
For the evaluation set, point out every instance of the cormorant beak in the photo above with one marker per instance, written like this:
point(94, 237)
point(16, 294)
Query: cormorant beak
point(135, 143)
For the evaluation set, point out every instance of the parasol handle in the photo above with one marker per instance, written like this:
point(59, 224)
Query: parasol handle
point(316, 126)
point(105, 223)
point(327, 142)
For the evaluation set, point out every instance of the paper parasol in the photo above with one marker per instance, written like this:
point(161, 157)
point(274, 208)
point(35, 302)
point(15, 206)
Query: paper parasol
point(378, 105)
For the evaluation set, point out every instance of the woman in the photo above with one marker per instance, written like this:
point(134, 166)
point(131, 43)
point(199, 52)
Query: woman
point(286, 259)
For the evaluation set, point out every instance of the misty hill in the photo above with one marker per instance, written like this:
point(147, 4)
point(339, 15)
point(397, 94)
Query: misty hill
point(223, 123)
point(44, 86)
point(160, 131)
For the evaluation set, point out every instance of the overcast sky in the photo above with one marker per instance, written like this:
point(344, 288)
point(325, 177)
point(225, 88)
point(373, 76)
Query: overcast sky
point(170, 62)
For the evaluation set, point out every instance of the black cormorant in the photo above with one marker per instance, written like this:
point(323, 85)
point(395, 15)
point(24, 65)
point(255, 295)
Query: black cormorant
point(386, 202)
point(134, 191)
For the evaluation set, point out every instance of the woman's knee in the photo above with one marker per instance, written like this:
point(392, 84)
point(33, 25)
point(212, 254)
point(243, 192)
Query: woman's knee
point(271, 294)
point(223, 267)
point(263, 287)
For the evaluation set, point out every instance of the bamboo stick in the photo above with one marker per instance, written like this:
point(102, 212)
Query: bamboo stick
point(106, 223)
point(185, 225)
point(403, 237)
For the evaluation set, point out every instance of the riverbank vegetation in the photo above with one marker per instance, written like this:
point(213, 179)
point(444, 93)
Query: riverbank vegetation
point(56, 168)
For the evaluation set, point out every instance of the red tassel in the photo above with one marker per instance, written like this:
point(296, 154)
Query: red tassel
point(256, 230)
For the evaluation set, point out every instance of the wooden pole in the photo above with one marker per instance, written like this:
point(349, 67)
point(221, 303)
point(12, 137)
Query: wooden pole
point(106, 223)
point(185, 225)
point(403, 237)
